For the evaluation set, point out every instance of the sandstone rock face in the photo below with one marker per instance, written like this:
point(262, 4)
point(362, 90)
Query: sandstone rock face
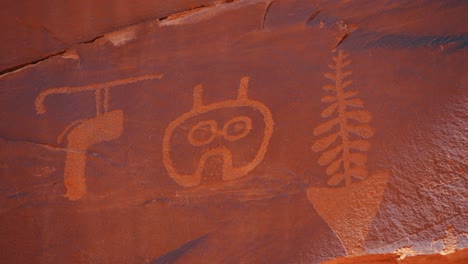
point(198, 131)
point(457, 257)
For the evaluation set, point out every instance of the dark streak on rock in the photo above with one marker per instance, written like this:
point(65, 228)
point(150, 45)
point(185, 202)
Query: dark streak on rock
point(266, 13)
point(313, 16)
point(155, 200)
point(18, 195)
point(196, 9)
point(341, 40)
point(44, 145)
point(51, 146)
point(175, 254)
point(20, 66)
point(182, 13)
point(365, 39)
point(91, 40)
point(402, 41)
point(23, 65)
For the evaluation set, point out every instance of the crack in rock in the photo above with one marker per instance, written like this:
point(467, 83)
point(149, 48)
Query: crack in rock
point(26, 65)
point(205, 12)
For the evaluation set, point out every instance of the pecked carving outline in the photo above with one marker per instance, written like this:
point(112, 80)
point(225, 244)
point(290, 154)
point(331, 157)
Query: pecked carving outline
point(229, 172)
point(81, 134)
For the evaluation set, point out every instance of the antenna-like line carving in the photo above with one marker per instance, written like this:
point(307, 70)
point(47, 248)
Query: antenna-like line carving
point(243, 89)
point(197, 96)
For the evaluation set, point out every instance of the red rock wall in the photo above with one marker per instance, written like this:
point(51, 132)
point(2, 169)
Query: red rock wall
point(232, 131)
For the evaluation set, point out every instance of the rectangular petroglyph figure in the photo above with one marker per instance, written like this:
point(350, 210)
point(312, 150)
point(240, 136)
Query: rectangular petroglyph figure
point(82, 134)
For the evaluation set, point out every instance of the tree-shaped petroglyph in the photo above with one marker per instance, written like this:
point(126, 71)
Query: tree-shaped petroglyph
point(349, 209)
point(345, 133)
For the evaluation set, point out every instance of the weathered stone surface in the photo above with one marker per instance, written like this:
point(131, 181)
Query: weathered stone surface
point(39, 29)
point(457, 257)
point(237, 132)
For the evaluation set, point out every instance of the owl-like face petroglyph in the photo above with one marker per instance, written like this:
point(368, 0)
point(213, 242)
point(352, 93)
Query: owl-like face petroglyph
point(236, 131)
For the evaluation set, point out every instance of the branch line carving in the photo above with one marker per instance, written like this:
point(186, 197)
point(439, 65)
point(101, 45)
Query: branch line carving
point(345, 160)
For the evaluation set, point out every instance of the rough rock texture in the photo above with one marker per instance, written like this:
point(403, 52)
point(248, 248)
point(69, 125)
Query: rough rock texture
point(458, 257)
point(233, 131)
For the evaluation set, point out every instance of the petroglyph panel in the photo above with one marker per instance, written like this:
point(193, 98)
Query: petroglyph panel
point(281, 132)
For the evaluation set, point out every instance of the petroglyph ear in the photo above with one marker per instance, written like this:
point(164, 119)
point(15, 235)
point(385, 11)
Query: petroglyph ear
point(197, 96)
point(242, 93)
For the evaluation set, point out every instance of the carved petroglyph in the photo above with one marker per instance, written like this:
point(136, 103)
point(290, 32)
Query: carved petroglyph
point(83, 133)
point(203, 133)
point(39, 103)
point(347, 155)
point(349, 209)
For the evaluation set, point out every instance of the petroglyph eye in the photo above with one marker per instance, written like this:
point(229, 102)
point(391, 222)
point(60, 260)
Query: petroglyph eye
point(237, 128)
point(202, 133)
